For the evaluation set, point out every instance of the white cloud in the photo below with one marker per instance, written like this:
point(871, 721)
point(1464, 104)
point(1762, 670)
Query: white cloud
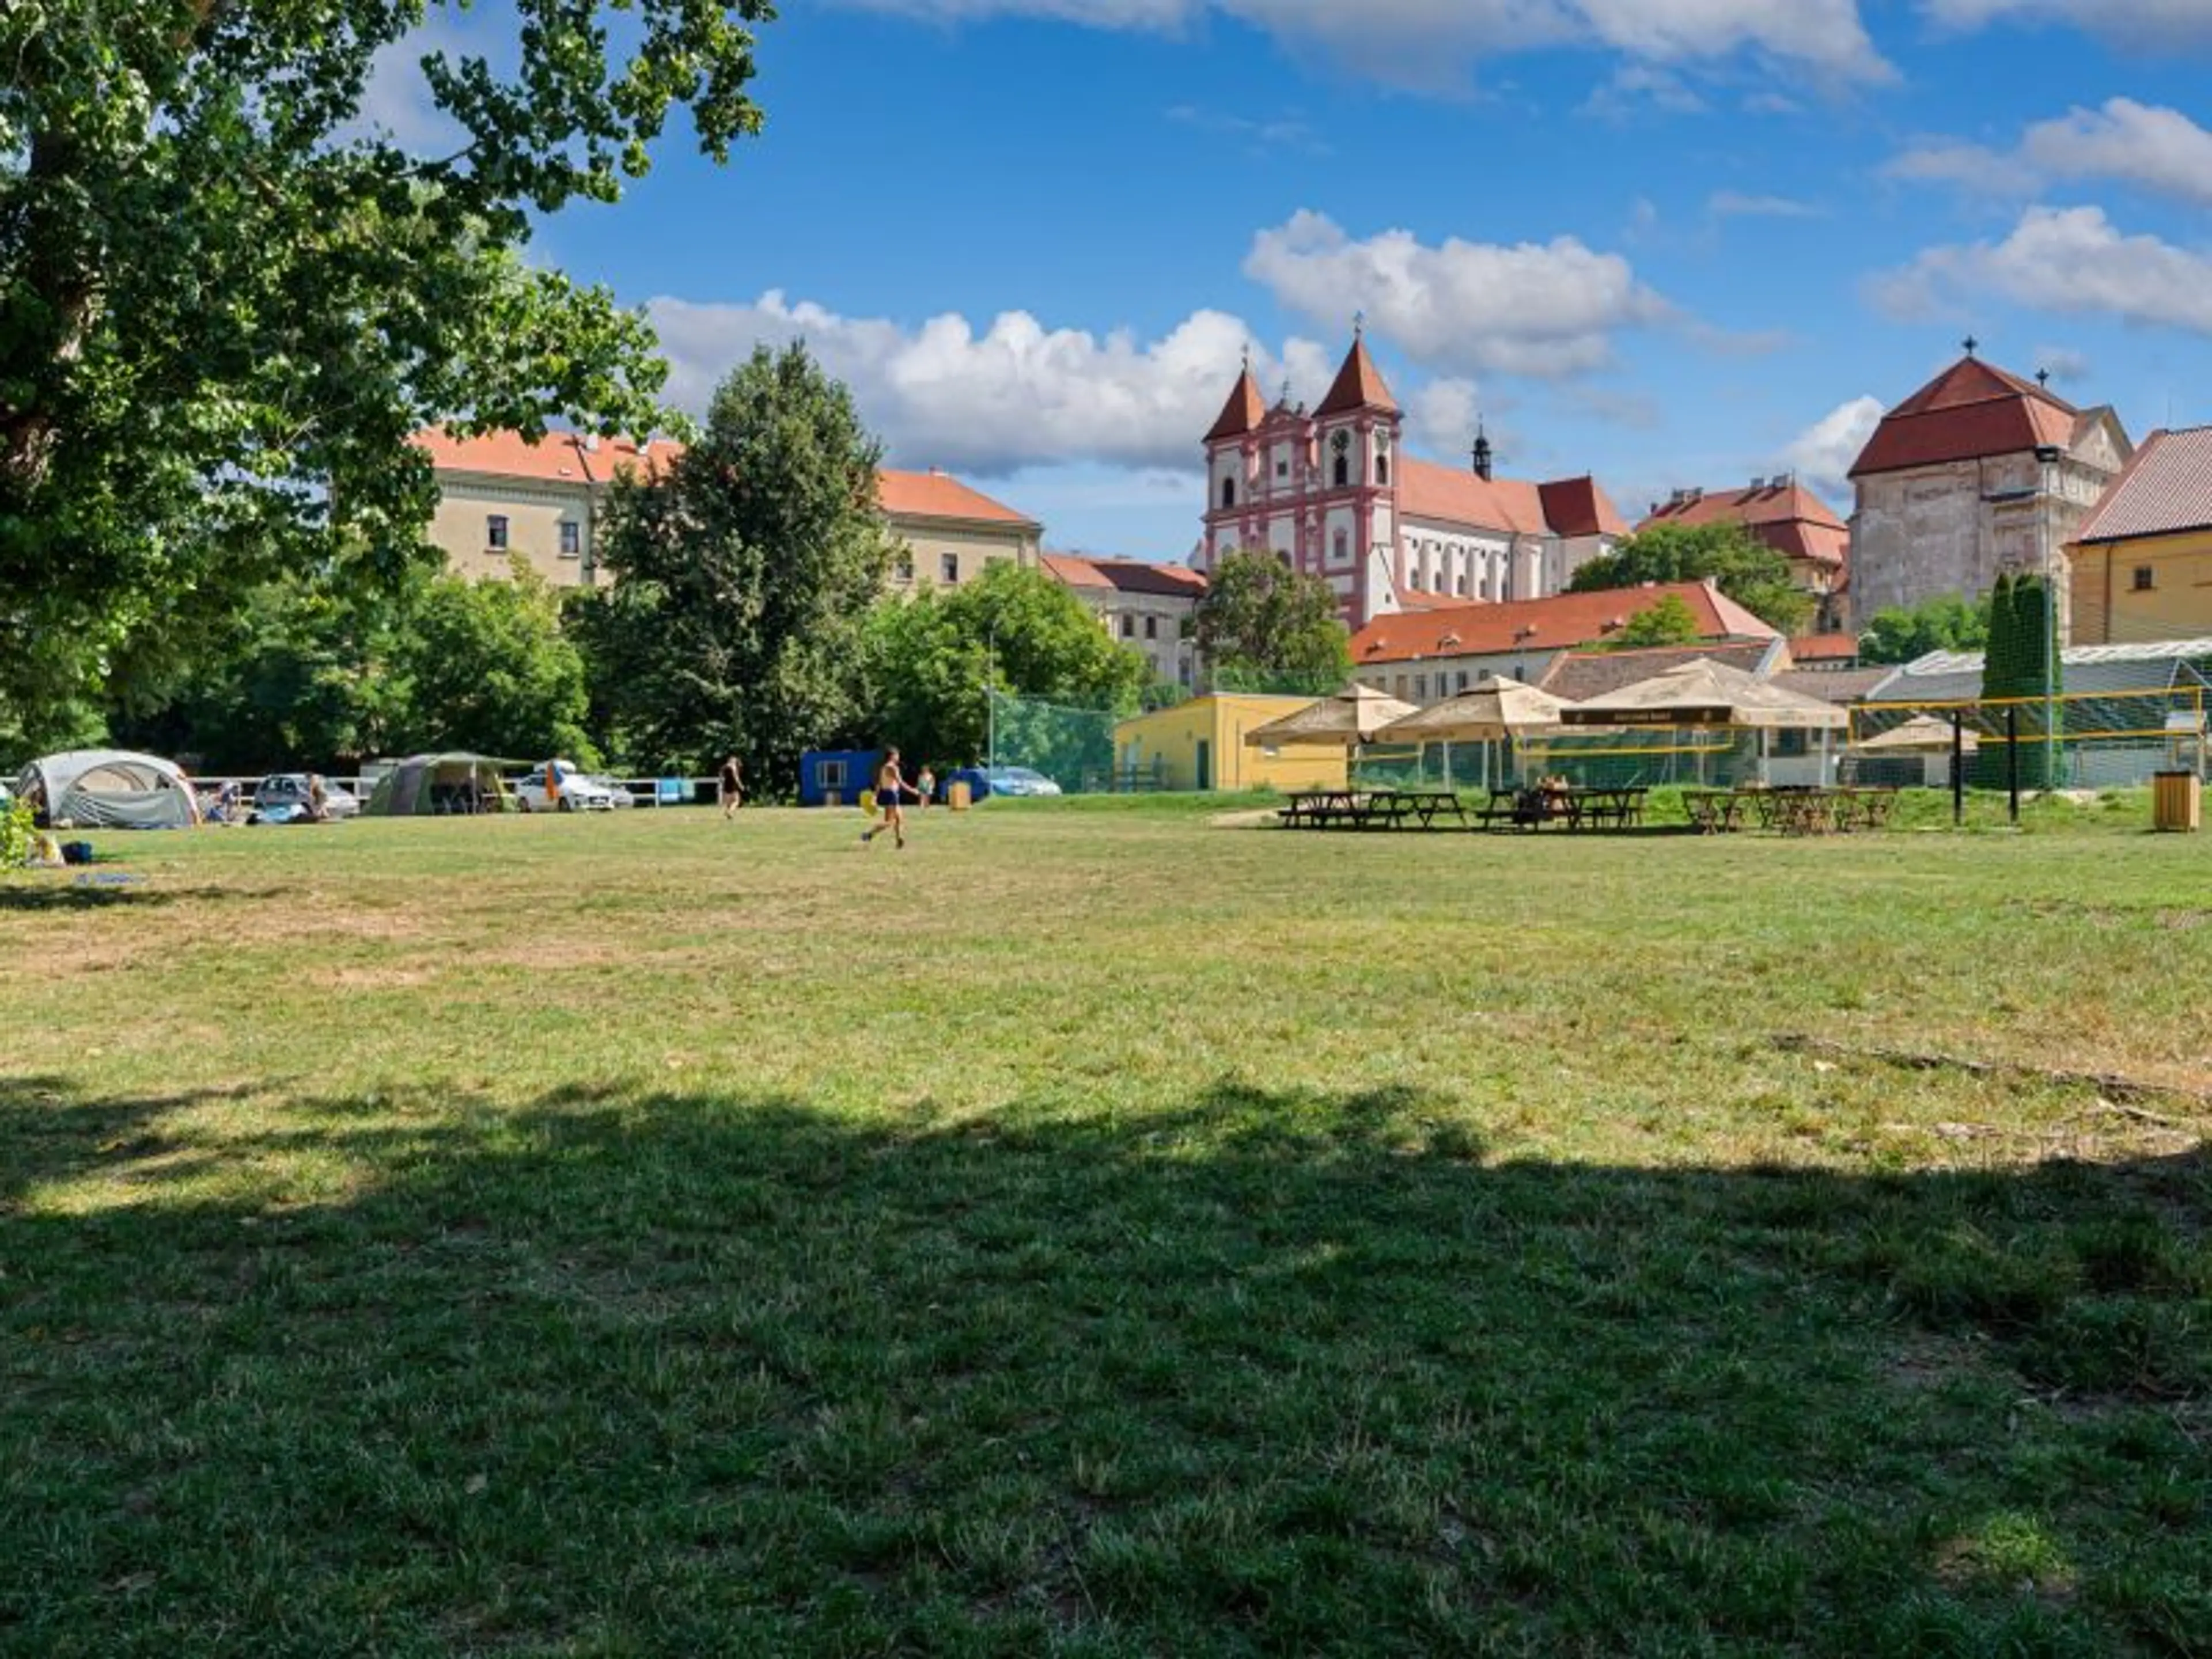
point(1431, 42)
point(1734, 204)
point(1634, 87)
point(396, 100)
point(1284, 132)
point(2066, 365)
point(1821, 455)
point(2060, 260)
point(1441, 416)
point(2142, 144)
point(2160, 150)
point(1016, 394)
point(2142, 22)
point(1547, 310)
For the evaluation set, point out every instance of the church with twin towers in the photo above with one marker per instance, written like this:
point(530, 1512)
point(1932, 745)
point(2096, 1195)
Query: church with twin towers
point(1331, 493)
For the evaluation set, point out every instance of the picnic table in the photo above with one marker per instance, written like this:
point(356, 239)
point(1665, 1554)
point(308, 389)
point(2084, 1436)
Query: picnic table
point(1588, 807)
point(1716, 812)
point(1374, 809)
point(1821, 812)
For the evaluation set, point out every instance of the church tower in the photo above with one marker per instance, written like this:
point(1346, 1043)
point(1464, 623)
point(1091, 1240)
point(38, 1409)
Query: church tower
point(1233, 468)
point(1356, 430)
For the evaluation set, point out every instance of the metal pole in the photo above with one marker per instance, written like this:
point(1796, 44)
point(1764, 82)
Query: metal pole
point(991, 699)
point(2012, 757)
point(1958, 770)
point(2046, 458)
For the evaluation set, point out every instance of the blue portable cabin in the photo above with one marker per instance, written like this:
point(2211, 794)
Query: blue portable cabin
point(841, 773)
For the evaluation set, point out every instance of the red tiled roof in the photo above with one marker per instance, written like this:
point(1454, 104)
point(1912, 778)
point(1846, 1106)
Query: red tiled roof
point(1578, 675)
point(1358, 385)
point(574, 457)
point(1824, 647)
point(1784, 515)
point(2167, 488)
point(1426, 490)
point(1126, 575)
point(1972, 409)
point(939, 496)
point(1243, 412)
point(1577, 507)
point(1553, 624)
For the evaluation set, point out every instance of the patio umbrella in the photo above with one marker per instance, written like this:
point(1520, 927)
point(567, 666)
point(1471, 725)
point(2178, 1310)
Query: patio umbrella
point(1353, 716)
point(1923, 734)
point(1705, 693)
point(1497, 710)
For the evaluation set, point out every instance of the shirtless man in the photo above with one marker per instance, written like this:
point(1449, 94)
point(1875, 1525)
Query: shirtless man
point(891, 795)
point(731, 784)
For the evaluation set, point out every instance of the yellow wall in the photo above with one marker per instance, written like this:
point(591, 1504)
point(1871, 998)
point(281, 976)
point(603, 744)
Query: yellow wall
point(1173, 735)
point(928, 543)
point(534, 515)
point(2109, 609)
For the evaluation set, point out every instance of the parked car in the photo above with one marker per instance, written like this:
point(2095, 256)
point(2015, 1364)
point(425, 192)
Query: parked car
point(568, 790)
point(1018, 780)
point(618, 788)
point(283, 796)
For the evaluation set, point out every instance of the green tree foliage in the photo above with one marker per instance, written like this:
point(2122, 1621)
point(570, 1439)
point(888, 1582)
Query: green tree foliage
point(488, 669)
point(1948, 624)
point(1669, 621)
point(1744, 567)
point(741, 579)
point(2021, 665)
point(324, 674)
point(225, 304)
point(1020, 631)
point(1260, 618)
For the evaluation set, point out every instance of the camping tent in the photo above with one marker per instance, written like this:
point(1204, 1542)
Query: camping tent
point(424, 784)
point(1346, 721)
point(109, 789)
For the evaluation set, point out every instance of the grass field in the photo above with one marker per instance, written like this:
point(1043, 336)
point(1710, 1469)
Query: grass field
point(1103, 1233)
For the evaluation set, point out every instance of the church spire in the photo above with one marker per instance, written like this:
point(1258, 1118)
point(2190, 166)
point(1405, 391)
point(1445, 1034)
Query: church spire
point(1359, 384)
point(1245, 410)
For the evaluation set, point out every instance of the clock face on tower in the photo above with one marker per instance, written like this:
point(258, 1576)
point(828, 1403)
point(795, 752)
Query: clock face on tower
point(1341, 442)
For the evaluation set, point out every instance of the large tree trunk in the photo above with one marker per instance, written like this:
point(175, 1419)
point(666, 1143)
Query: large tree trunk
point(45, 318)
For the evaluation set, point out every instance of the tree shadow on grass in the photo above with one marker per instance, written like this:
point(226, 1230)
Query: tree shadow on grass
point(45, 897)
point(1268, 1372)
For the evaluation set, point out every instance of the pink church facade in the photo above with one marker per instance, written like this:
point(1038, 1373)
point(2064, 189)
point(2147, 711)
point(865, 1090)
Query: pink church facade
point(1331, 495)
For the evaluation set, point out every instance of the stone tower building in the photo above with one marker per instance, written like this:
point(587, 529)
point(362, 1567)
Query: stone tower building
point(1977, 472)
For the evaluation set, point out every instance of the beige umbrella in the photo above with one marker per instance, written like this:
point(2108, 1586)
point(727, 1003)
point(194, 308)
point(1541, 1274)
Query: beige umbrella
point(1705, 693)
point(1497, 710)
point(1352, 717)
point(1923, 734)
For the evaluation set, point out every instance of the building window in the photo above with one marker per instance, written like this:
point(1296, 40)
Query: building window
point(830, 773)
point(948, 565)
point(1228, 492)
point(496, 532)
point(1421, 685)
point(1460, 587)
point(1401, 692)
point(1462, 681)
point(1128, 628)
point(902, 567)
point(1282, 469)
point(1383, 469)
point(2146, 578)
point(1340, 549)
point(571, 540)
point(1343, 473)
point(1151, 628)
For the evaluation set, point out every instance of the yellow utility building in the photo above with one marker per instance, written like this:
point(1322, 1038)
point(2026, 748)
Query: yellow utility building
point(2143, 564)
point(1199, 745)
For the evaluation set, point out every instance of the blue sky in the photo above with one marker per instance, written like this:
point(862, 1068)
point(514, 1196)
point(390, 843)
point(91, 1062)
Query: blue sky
point(1669, 241)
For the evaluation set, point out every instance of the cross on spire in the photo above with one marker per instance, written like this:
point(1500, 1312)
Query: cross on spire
point(1248, 356)
point(1971, 344)
point(2043, 377)
point(1359, 325)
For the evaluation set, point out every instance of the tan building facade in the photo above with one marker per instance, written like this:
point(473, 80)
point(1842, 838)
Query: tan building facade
point(1147, 607)
point(1976, 473)
point(500, 495)
point(2142, 566)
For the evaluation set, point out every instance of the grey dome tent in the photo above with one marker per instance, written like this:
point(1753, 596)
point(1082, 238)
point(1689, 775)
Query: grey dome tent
point(109, 789)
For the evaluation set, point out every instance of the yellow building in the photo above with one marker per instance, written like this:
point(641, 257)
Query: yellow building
point(2142, 566)
point(500, 495)
point(1199, 745)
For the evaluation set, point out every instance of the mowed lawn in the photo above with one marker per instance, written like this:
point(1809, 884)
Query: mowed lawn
point(1100, 1232)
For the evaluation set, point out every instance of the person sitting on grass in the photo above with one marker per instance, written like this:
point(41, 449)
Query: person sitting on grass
point(891, 796)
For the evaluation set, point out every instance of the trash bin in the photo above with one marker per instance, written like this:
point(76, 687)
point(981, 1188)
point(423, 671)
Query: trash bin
point(833, 798)
point(2178, 801)
point(956, 796)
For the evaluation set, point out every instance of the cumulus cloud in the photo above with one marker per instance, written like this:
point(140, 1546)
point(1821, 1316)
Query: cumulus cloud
point(1546, 310)
point(1821, 455)
point(1431, 42)
point(2141, 22)
point(2146, 145)
point(1015, 394)
point(2060, 260)
point(2066, 365)
point(1442, 414)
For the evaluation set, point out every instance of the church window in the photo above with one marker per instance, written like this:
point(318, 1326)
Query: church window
point(1383, 469)
point(1228, 492)
point(1282, 469)
point(2146, 578)
point(1342, 472)
point(1340, 549)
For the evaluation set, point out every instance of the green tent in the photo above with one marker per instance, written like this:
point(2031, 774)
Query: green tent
point(424, 785)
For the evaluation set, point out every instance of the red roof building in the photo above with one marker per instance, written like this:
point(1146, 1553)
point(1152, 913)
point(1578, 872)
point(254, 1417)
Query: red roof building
point(1145, 606)
point(1330, 493)
point(1779, 511)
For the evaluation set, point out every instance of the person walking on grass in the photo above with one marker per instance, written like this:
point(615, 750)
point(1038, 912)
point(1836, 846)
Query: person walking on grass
point(891, 795)
point(732, 782)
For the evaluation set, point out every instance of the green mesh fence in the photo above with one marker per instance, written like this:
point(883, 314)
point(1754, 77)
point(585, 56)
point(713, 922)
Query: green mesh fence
point(1610, 760)
point(1074, 747)
point(2098, 740)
